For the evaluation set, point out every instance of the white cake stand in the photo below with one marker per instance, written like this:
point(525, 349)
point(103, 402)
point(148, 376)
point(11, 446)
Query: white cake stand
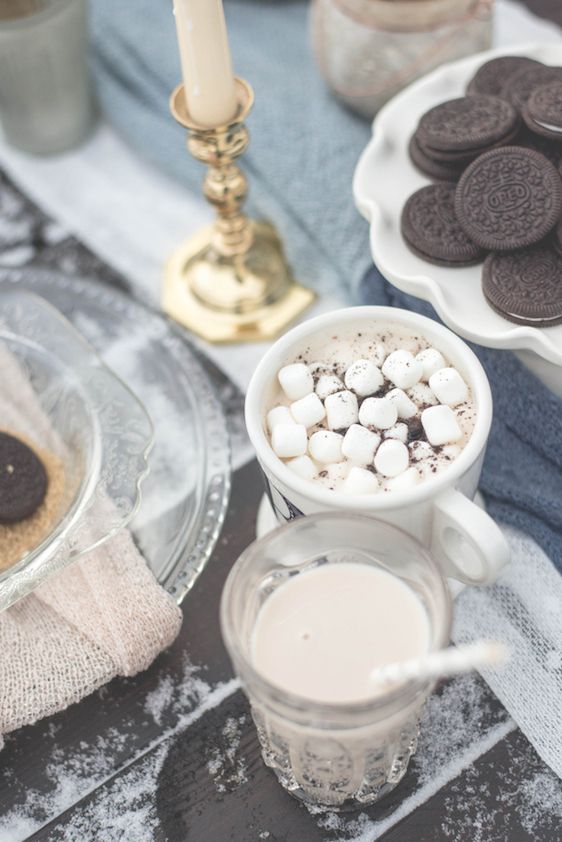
point(385, 177)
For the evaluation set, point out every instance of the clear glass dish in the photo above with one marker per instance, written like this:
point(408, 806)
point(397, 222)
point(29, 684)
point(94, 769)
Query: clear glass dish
point(185, 495)
point(57, 392)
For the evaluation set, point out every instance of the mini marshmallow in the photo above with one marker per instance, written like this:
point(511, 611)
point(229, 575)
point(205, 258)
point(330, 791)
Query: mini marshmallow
point(449, 386)
point(303, 466)
point(420, 450)
point(363, 378)
point(338, 471)
point(407, 479)
point(379, 354)
point(289, 440)
point(296, 381)
point(451, 451)
point(278, 415)
point(406, 408)
point(360, 481)
point(342, 410)
point(328, 384)
point(432, 360)
point(422, 395)
point(402, 369)
point(392, 458)
point(359, 445)
point(440, 425)
point(398, 431)
point(308, 410)
point(325, 446)
point(378, 412)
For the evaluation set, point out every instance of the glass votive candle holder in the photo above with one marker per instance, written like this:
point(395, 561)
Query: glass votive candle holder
point(368, 50)
point(46, 98)
point(347, 752)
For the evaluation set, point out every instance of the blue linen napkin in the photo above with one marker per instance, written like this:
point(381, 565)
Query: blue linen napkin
point(301, 162)
point(304, 146)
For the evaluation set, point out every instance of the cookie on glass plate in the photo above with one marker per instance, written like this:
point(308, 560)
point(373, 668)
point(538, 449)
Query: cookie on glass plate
point(23, 480)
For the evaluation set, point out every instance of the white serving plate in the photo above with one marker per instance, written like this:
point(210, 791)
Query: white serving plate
point(383, 180)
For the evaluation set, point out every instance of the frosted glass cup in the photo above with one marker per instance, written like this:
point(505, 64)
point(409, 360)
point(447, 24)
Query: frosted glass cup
point(338, 755)
point(46, 100)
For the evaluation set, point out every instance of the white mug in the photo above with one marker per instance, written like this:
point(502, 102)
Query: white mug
point(439, 511)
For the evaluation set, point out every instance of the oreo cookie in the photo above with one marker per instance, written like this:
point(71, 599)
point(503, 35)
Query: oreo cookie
point(467, 124)
point(549, 148)
point(525, 286)
point(492, 76)
point(543, 111)
point(431, 231)
point(23, 480)
point(518, 87)
point(433, 169)
point(558, 238)
point(508, 198)
point(458, 158)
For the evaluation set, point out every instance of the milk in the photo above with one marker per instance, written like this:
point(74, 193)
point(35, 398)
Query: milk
point(321, 633)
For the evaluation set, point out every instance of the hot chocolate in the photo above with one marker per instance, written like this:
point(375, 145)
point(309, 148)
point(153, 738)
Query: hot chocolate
point(364, 411)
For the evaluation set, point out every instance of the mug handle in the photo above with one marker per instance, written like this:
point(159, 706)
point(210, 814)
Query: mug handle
point(466, 541)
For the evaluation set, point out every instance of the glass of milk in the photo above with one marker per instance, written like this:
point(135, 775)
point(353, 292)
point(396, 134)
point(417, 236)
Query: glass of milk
point(307, 613)
point(46, 97)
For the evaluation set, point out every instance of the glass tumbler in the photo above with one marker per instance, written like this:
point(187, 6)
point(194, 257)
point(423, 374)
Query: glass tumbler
point(338, 755)
point(46, 98)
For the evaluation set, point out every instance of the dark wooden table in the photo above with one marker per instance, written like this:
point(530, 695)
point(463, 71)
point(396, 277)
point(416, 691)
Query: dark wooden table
point(172, 754)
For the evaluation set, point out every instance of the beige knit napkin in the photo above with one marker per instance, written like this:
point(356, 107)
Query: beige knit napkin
point(103, 616)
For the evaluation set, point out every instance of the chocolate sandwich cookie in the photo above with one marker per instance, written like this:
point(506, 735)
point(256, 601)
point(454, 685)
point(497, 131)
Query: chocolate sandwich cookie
point(467, 124)
point(551, 149)
point(458, 158)
point(543, 111)
point(464, 157)
point(508, 198)
point(431, 231)
point(525, 286)
point(433, 169)
point(518, 88)
point(558, 238)
point(492, 76)
point(23, 480)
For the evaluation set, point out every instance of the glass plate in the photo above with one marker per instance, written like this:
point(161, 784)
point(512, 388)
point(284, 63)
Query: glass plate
point(185, 495)
point(55, 389)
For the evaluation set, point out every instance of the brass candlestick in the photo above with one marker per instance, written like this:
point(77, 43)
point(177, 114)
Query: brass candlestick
point(230, 282)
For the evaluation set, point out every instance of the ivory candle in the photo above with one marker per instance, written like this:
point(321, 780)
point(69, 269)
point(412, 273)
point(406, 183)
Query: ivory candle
point(205, 60)
point(322, 633)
